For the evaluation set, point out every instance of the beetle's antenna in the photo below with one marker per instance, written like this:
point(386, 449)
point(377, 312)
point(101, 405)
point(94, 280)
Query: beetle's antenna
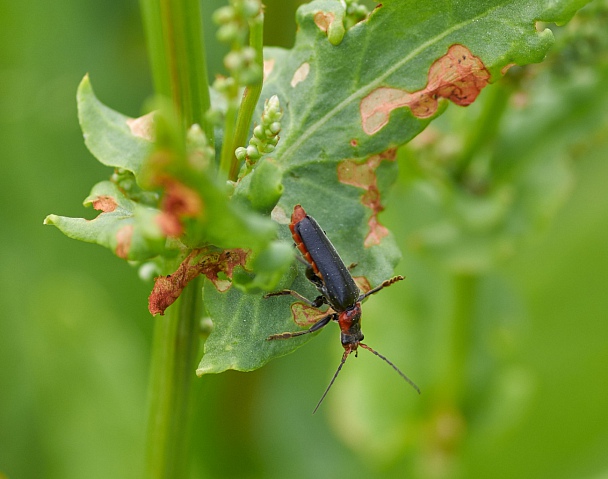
point(344, 356)
point(365, 346)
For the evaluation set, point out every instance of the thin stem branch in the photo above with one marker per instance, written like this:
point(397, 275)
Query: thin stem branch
point(251, 95)
point(227, 157)
point(487, 126)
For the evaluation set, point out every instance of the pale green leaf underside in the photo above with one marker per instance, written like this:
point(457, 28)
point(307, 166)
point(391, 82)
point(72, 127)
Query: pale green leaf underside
point(108, 134)
point(322, 126)
point(130, 230)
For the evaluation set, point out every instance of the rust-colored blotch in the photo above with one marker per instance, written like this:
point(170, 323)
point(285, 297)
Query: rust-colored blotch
point(458, 76)
point(323, 20)
point(123, 241)
point(363, 175)
point(168, 288)
point(107, 204)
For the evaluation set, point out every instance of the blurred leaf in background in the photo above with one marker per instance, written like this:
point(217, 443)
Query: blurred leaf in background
point(75, 330)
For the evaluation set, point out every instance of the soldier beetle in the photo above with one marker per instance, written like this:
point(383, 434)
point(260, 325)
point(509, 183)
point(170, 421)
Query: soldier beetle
point(328, 273)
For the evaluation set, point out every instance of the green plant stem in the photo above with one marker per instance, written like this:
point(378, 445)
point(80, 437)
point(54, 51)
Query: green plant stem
point(251, 94)
point(227, 157)
point(174, 34)
point(174, 357)
point(495, 105)
point(446, 421)
point(459, 334)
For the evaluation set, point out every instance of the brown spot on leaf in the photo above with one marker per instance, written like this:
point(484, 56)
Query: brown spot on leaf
point(354, 143)
point(279, 215)
point(107, 204)
point(304, 315)
point(169, 224)
point(323, 20)
point(179, 202)
point(362, 174)
point(223, 262)
point(123, 241)
point(209, 263)
point(268, 67)
point(457, 76)
point(143, 126)
point(300, 74)
point(362, 283)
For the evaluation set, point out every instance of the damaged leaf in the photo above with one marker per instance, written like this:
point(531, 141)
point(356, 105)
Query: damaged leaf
point(132, 231)
point(113, 138)
point(195, 204)
point(350, 98)
point(206, 262)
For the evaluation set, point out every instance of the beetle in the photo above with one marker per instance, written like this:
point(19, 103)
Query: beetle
point(328, 273)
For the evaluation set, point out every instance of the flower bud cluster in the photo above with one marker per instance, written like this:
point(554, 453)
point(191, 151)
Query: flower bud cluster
point(355, 12)
point(265, 135)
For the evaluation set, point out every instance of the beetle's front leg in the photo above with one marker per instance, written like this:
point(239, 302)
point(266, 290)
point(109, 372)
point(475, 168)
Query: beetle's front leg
point(318, 301)
point(315, 327)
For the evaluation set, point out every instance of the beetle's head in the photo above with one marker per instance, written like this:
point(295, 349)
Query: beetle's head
point(351, 335)
point(350, 327)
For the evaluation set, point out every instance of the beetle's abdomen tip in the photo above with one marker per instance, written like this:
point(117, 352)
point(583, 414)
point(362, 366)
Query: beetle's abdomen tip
point(298, 214)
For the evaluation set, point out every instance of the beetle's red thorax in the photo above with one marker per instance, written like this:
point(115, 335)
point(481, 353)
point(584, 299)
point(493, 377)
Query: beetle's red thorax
point(350, 327)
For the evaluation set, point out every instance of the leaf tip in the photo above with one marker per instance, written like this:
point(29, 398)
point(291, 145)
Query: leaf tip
point(85, 84)
point(50, 220)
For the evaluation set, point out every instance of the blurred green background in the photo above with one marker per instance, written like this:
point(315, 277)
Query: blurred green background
point(75, 333)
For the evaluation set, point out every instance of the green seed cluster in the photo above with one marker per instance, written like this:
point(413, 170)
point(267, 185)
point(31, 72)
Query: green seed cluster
point(240, 62)
point(355, 12)
point(265, 135)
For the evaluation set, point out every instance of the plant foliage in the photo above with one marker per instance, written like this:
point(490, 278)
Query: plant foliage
point(354, 88)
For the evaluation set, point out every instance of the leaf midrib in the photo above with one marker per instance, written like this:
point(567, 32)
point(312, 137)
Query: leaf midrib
point(377, 82)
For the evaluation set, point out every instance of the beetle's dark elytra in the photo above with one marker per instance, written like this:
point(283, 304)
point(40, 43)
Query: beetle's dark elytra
point(340, 288)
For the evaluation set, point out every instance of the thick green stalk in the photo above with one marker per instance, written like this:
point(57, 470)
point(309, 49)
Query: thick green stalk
point(174, 356)
point(174, 34)
point(175, 42)
point(460, 338)
point(446, 425)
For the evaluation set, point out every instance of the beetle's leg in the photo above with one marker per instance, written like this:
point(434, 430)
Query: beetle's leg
point(301, 259)
point(318, 301)
point(384, 284)
point(352, 266)
point(314, 278)
point(310, 272)
point(315, 327)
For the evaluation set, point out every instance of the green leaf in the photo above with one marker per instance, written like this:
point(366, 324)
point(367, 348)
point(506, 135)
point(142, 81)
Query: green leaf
point(129, 229)
point(114, 139)
point(195, 202)
point(262, 188)
point(349, 99)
